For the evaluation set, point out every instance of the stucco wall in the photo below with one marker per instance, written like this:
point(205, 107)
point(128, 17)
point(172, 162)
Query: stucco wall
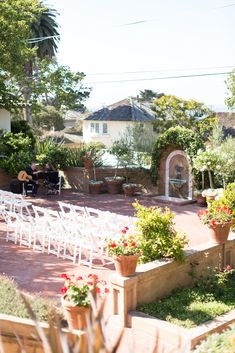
point(115, 130)
point(5, 120)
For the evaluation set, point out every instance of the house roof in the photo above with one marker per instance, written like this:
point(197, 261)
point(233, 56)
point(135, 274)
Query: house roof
point(227, 120)
point(125, 110)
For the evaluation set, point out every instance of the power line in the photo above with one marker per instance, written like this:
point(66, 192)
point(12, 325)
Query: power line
point(159, 78)
point(151, 71)
point(40, 39)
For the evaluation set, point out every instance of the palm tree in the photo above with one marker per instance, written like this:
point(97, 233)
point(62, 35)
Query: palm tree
point(44, 27)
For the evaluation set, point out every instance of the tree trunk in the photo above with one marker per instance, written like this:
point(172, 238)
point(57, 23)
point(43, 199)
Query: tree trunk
point(210, 180)
point(27, 92)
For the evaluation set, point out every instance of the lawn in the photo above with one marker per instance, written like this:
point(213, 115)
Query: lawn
point(190, 307)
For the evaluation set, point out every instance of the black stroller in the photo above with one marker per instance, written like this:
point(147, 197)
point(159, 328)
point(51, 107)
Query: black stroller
point(52, 183)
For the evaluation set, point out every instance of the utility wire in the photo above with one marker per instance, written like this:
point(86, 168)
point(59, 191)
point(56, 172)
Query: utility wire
point(148, 71)
point(40, 39)
point(159, 78)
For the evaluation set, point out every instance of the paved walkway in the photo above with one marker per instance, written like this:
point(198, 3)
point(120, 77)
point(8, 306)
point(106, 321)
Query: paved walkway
point(34, 271)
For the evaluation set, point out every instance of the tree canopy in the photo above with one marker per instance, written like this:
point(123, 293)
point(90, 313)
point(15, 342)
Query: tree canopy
point(172, 111)
point(16, 18)
point(230, 82)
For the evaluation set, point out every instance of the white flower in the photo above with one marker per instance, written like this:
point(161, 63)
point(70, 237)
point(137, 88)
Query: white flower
point(218, 167)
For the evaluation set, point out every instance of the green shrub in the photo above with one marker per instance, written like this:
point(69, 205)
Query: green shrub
point(11, 302)
point(52, 151)
point(16, 162)
point(13, 143)
point(218, 343)
point(157, 235)
point(75, 157)
point(228, 199)
point(22, 126)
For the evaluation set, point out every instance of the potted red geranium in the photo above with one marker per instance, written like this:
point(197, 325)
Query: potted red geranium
point(219, 220)
point(125, 251)
point(76, 299)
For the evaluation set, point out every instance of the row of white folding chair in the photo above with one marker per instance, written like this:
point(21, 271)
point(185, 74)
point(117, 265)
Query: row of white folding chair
point(74, 236)
point(14, 202)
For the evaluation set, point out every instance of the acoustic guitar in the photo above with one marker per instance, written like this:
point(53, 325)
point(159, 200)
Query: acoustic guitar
point(23, 176)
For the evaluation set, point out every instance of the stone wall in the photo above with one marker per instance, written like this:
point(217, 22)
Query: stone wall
point(78, 178)
point(14, 328)
point(157, 279)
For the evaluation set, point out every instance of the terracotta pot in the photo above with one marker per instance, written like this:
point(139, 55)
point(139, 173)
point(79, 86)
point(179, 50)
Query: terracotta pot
point(219, 232)
point(95, 188)
point(129, 191)
point(114, 186)
point(201, 200)
point(75, 315)
point(126, 265)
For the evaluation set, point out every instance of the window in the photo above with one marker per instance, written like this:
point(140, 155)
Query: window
point(97, 128)
point(105, 128)
point(92, 127)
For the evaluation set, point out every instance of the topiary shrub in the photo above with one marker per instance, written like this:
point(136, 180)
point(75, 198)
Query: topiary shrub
point(157, 235)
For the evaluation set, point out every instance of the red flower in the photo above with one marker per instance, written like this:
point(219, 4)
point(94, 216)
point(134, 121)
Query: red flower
point(63, 275)
point(97, 290)
point(126, 228)
point(94, 276)
point(106, 290)
point(213, 222)
point(90, 283)
point(113, 245)
point(133, 243)
point(123, 231)
point(125, 243)
point(79, 278)
point(63, 290)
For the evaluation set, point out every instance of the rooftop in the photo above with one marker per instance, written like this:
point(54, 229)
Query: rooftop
point(127, 109)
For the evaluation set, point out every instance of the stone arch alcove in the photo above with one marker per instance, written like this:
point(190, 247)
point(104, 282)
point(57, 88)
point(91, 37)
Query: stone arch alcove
point(178, 178)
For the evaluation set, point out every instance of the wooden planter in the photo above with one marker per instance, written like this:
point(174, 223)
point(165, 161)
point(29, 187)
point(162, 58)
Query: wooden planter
point(219, 232)
point(75, 315)
point(126, 265)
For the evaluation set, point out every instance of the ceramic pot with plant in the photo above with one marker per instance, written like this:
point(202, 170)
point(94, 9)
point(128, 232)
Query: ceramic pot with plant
point(114, 184)
point(76, 299)
point(95, 186)
point(125, 252)
point(212, 194)
point(130, 188)
point(219, 220)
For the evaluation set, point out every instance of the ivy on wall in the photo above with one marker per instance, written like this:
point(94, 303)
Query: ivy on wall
point(180, 137)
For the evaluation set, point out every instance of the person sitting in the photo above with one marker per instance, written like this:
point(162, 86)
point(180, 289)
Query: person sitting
point(51, 180)
point(31, 185)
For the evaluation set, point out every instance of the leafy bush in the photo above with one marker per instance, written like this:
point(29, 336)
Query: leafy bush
point(22, 126)
point(218, 343)
point(11, 302)
point(51, 151)
point(157, 235)
point(228, 199)
point(13, 143)
point(16, 162)
point(77, 156)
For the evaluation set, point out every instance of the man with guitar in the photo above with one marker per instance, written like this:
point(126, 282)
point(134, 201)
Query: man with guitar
point(31, 179)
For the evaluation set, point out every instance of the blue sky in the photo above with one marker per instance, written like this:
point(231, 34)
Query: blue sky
point(172, 38)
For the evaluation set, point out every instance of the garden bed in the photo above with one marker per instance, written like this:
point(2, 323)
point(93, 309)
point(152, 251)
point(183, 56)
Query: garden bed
point(189, 314)
point(190, 307)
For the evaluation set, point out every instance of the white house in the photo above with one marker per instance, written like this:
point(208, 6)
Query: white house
point(109, 123)
point(5, 120)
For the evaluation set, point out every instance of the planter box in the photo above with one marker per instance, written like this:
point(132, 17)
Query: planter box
point(174, 339)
